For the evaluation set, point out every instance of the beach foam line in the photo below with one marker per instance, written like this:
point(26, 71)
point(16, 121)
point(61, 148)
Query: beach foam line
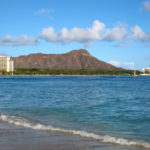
point(22, 122)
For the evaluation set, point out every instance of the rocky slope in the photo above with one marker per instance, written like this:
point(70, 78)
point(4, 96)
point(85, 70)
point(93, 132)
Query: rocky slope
point(76, 59)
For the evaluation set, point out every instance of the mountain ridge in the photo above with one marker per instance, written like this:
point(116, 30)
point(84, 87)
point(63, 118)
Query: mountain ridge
point(75, 60)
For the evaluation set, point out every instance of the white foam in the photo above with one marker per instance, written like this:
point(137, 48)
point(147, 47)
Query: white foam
point(19, 121)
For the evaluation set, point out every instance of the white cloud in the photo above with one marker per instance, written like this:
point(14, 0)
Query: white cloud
point(97, 32)
point(119, 32)
point(17, 41)
point(146, 6)
point(138, 34)
point(115, 63)
point(126, 65)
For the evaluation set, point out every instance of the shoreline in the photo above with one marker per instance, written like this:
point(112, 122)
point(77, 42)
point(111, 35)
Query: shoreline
point(68, 75)
point(28, 139)
point(73, 113)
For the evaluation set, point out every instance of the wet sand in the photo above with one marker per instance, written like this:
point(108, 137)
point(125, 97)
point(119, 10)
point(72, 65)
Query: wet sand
point(18, 138)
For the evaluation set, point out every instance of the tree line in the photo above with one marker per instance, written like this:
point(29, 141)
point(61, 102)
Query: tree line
point(35, 71)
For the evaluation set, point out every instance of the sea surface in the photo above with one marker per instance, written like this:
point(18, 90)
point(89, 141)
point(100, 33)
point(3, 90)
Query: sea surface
point(111, 110)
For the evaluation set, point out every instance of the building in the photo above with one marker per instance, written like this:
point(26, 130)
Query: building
point(6, 64)
point(146, 70)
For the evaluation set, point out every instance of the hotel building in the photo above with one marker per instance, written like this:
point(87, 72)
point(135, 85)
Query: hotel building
point(146, 70)
point(6, 64)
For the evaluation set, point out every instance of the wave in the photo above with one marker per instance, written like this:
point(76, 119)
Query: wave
point(20, 121)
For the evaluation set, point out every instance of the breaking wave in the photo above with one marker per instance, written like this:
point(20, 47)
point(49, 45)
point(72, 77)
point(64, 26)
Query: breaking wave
point(19, 121)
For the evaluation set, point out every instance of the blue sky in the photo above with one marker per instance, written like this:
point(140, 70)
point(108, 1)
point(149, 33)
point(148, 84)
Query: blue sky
point(115, 31)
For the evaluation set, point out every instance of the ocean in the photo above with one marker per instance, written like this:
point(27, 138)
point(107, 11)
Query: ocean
point(74, 112)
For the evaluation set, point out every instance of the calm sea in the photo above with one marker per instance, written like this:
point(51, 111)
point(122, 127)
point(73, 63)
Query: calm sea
point(107, 109)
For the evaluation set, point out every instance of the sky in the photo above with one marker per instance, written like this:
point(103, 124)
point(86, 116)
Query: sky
point(114, 31)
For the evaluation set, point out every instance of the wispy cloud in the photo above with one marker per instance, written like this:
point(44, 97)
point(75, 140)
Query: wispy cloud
point(22, 40)
point(47, 12)
point(4, 54)
point(147, 58)
point(146, 7)
point(44, 11)
point(126, 65)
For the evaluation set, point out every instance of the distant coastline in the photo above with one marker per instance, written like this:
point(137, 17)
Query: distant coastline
point(66, 72)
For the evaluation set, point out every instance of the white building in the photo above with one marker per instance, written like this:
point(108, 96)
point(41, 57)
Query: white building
point(146, 70)
point(6, 64)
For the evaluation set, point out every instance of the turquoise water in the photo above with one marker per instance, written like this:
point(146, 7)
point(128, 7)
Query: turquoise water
point(112, 109)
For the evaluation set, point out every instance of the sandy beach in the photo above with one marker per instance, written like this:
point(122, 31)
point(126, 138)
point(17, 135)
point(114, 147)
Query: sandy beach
point(18, 138)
